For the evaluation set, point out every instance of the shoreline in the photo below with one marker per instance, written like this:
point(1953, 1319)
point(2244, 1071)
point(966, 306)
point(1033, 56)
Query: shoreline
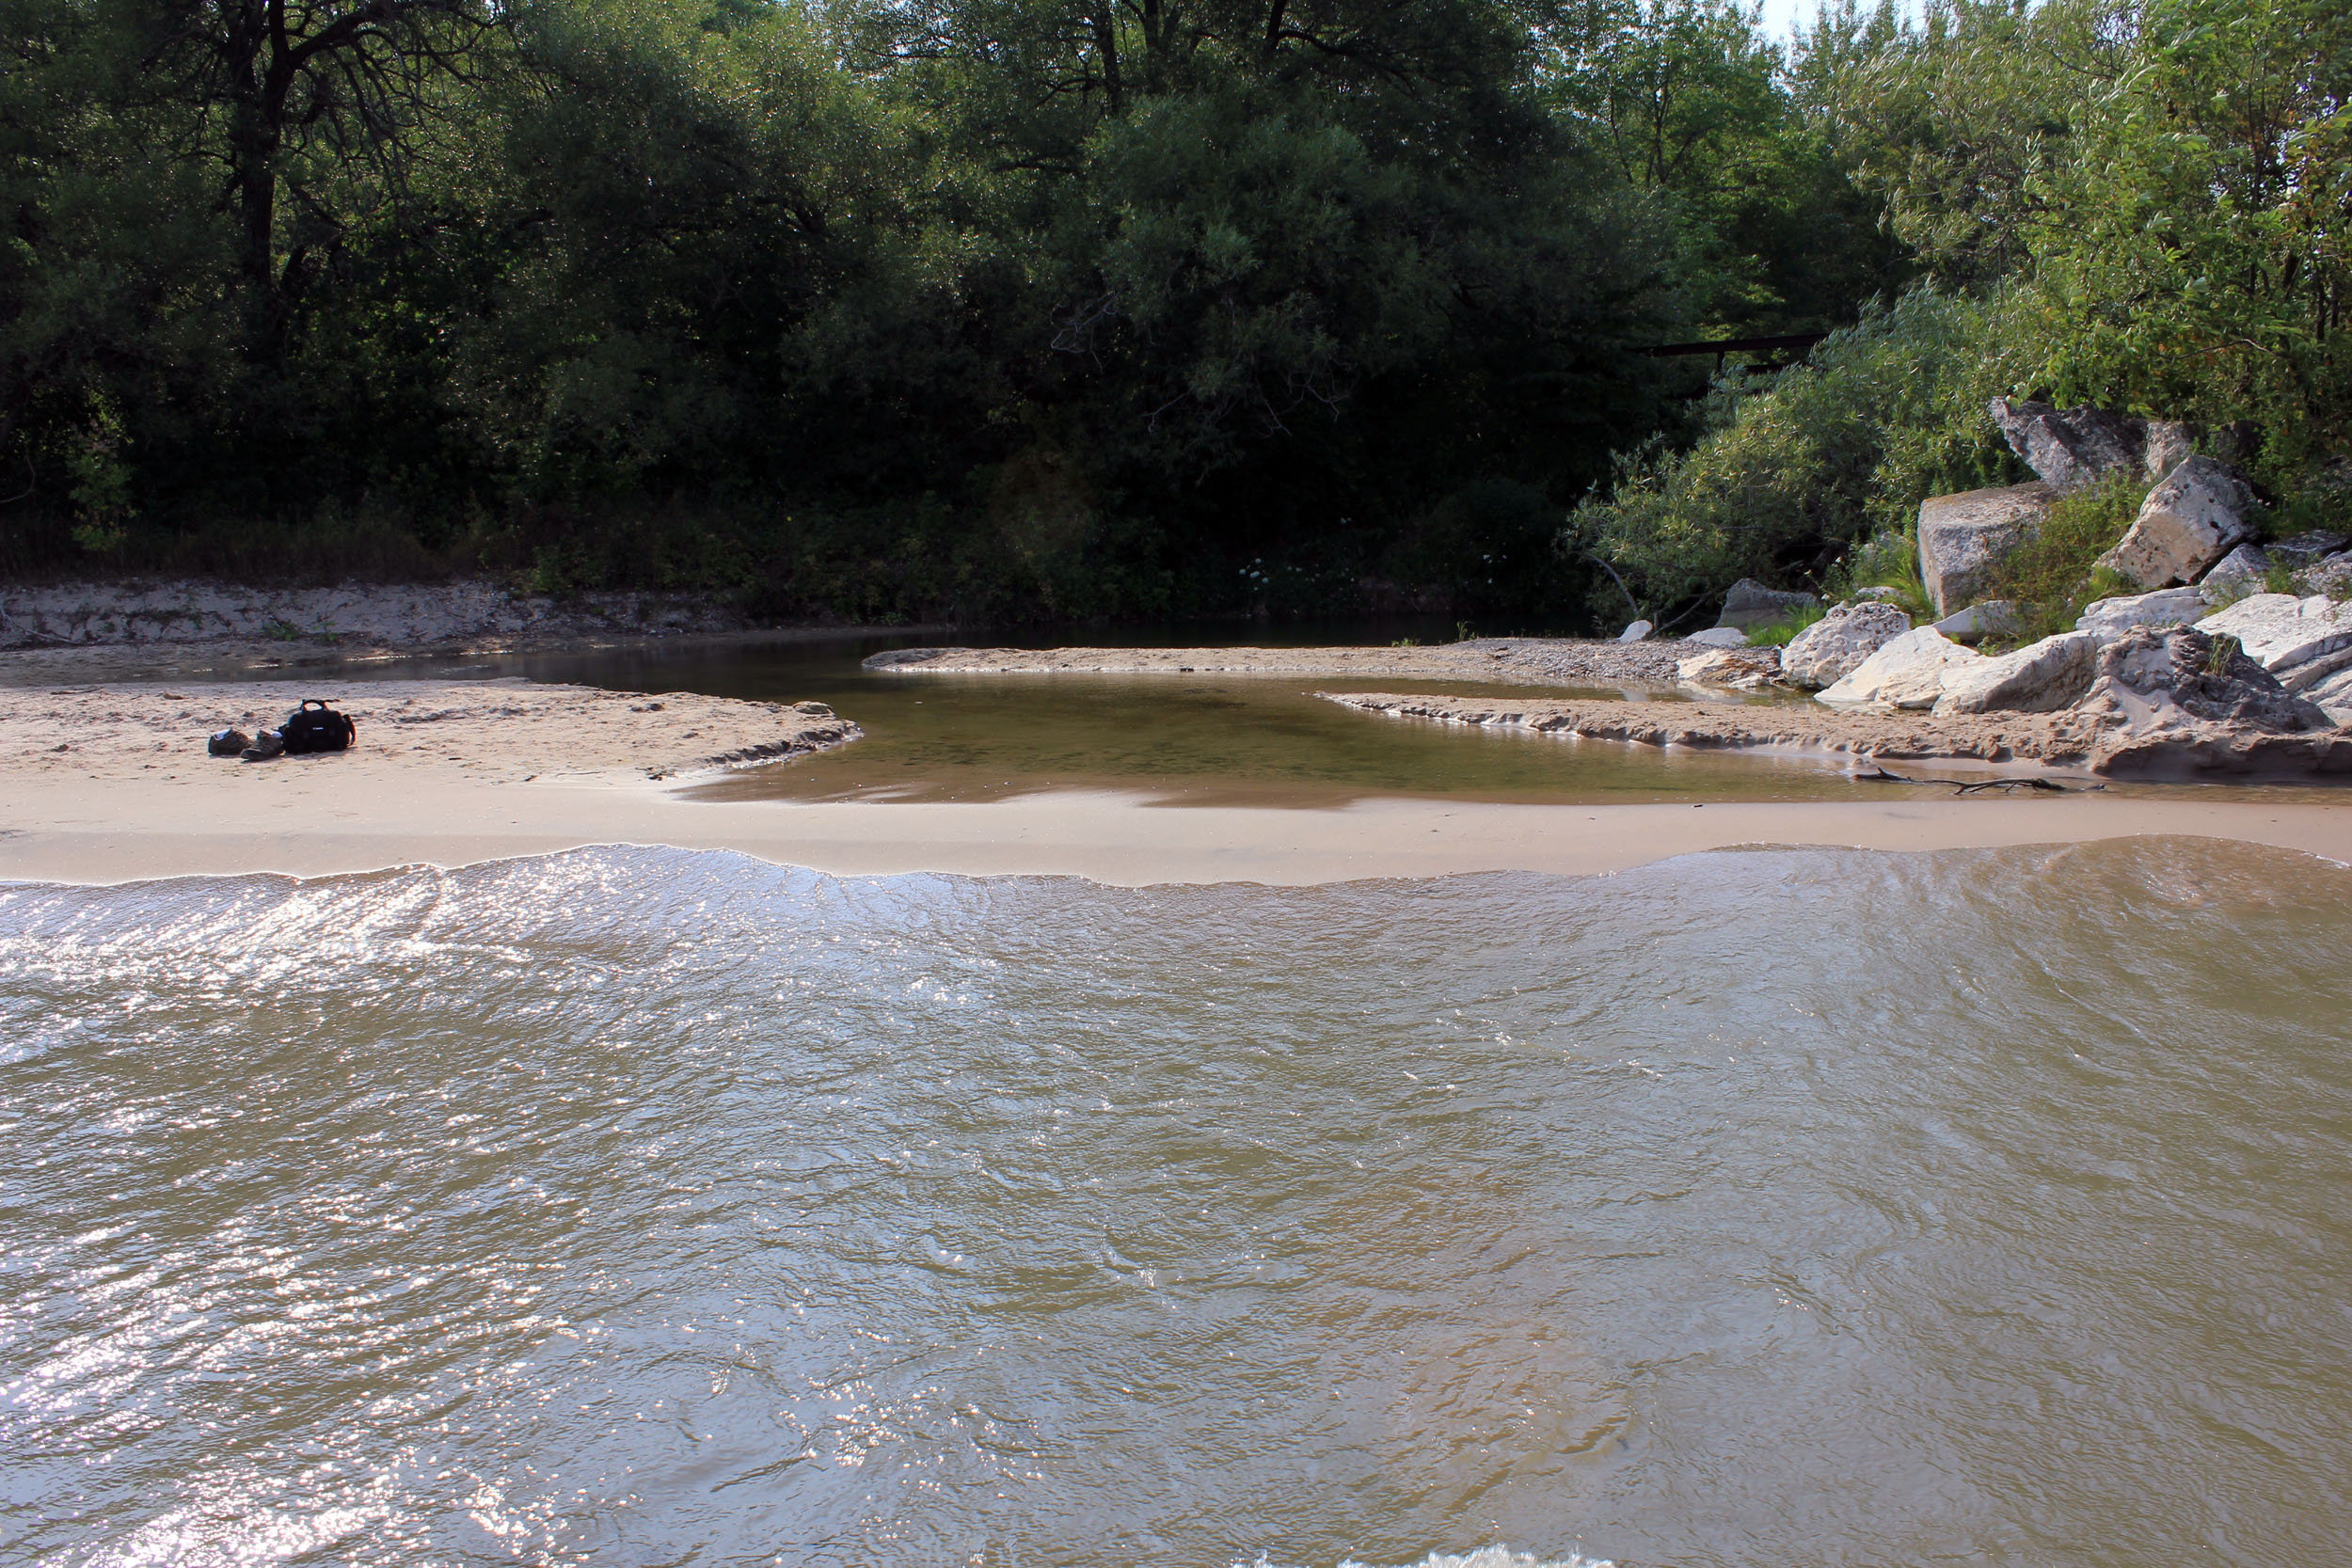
point(323, 821)
point(1560, 663)
point(2038, 743)
point(104, 783)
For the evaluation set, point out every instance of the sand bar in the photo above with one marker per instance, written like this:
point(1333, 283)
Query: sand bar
point(1547, 661)
point(449, 774)
point(1878, 733)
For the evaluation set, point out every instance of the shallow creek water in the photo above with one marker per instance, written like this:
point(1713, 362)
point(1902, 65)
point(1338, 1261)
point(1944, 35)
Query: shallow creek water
point(1184, 741)
point(652, 1207)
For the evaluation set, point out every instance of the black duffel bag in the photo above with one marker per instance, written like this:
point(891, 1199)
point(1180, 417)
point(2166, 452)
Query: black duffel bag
point(316, 727)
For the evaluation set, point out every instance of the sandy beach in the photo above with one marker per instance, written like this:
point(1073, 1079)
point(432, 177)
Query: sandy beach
point(106, 783)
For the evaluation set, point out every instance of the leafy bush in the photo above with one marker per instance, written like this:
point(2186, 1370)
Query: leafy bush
point(1845, 445)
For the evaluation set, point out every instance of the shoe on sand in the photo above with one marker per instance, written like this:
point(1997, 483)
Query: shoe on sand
point(269, 743)
point(227, 742)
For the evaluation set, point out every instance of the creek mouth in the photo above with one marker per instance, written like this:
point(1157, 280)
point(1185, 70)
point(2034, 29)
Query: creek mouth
point(1203, 740)
point(644, 1205)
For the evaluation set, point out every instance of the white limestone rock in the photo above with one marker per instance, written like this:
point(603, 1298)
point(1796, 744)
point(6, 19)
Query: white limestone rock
point(2186, 525)
point(1992, 618)
point(1742, 669)
point(2243, 571)
point(2109, 618)
point(1635, 632)
point(2333, 696)
point(1719, 637)
point(2041, 677)
point(2072, 449)
point(1964, 537)
point(2176, 703)
point(1834, 646)
point(2331, 576)
point(2170, 443)
point(2280, 631)
point(1908, 672)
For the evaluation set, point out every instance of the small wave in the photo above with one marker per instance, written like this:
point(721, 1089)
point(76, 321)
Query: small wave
point(1485, 1557)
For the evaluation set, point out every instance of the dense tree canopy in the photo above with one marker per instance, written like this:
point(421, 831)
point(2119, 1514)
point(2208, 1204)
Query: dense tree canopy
point(1079, 307)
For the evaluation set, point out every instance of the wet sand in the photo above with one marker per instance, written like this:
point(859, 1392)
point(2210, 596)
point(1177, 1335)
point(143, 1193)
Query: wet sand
point(320, 816)
point(110, 784)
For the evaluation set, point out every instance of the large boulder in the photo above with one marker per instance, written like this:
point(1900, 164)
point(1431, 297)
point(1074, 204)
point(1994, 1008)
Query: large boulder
point(2180, 703)
point(1992, 618)
point(1635, 631)
point(1749, 603)
point(2186, 525)
point(1964, 537)
point(1834, 646)
point(1719, 637)
point(2280, 631)
point(2073, 448)
point(2171, 606)
point(1907, 672)
point(2040, 678)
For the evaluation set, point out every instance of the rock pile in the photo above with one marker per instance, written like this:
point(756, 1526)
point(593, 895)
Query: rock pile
point(2181, 703)
point(2196, 524)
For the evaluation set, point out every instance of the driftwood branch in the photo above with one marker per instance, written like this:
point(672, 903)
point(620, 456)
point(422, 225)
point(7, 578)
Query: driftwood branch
point(1977, 786)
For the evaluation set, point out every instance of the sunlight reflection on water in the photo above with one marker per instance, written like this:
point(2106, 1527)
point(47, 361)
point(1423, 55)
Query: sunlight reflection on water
point(651, 1205)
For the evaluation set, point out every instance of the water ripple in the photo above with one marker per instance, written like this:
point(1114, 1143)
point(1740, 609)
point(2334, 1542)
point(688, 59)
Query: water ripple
point(646, 1206)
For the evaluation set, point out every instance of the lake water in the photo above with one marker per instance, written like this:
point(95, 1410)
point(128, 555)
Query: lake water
point(649, 1207)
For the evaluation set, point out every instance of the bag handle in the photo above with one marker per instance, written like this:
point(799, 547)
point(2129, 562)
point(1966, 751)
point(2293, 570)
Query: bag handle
point(309, 702)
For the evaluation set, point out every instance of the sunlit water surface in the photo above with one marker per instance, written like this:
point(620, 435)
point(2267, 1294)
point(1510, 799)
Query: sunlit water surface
point(647, 1207)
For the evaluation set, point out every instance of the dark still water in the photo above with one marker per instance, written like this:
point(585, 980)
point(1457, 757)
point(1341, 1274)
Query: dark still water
point(648, 1207)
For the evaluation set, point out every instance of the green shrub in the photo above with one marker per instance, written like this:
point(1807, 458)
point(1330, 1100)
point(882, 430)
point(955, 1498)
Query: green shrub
point(1778, 634)
point(1890, 560)
point(2053, 575)
point(1844, 445)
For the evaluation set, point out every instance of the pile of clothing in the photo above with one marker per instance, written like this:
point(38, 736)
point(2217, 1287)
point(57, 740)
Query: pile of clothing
point(312, 727)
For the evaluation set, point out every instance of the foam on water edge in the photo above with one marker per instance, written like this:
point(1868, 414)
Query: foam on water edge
point(1485, 1557)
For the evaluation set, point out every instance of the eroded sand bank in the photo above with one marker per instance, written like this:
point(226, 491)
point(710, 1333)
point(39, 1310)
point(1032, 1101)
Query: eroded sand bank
point(452, 773)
